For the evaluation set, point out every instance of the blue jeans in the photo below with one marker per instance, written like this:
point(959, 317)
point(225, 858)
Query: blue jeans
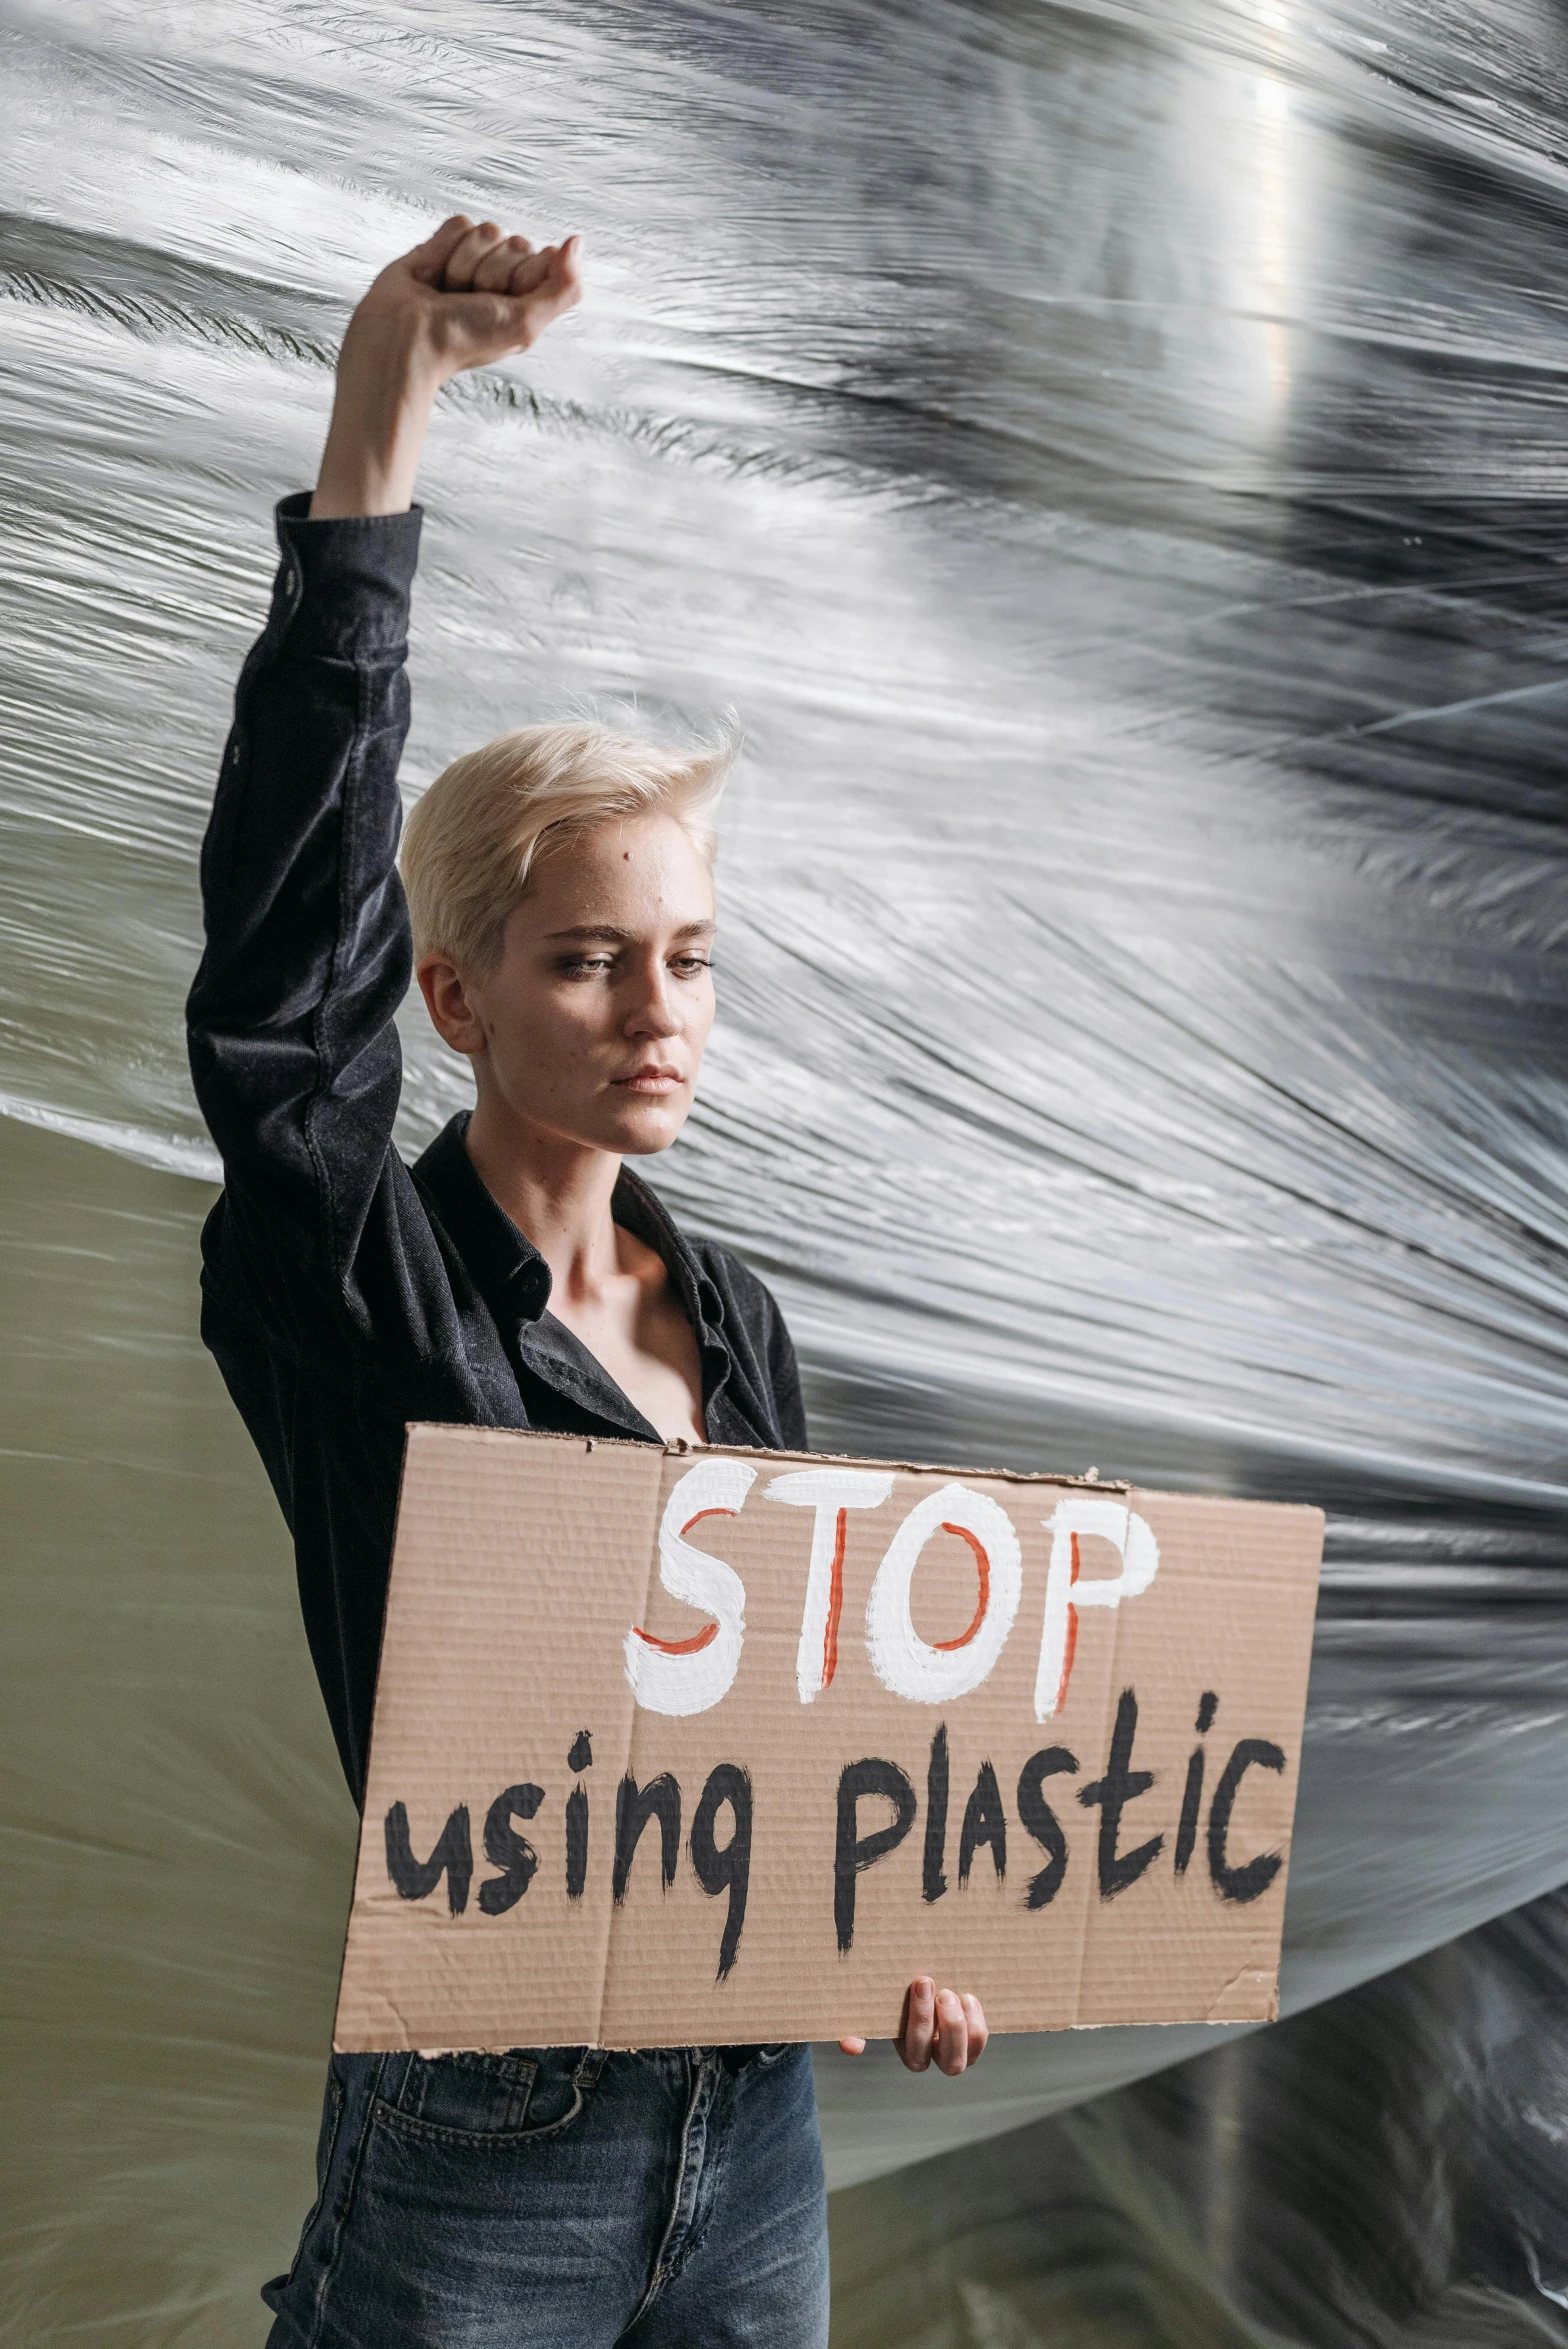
point(564, 2197)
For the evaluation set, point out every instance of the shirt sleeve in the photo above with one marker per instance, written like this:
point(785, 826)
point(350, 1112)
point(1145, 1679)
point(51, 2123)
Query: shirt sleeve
point(293, 1049)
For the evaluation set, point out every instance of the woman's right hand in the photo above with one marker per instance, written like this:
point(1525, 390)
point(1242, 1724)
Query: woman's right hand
point(465, 298)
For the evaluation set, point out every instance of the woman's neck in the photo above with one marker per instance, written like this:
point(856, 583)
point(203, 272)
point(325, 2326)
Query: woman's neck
point(557, 1192)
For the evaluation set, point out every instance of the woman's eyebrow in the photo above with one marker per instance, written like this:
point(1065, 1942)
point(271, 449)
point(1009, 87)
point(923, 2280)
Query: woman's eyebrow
point(606, 933)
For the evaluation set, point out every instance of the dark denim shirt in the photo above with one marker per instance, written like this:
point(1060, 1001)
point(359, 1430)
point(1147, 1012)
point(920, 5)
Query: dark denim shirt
point(345, 1294)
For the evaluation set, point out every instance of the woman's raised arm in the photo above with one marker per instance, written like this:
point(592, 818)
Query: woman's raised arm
point(292, 1043)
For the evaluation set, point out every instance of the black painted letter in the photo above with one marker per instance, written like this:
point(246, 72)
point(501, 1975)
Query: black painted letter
point(985, 1821)
point(1041, 1821)
point(856, 1852)
point(633, 1810)
point(1191, 1805)
point(1192, 1795)
point(453, 1857)
point(933, 1880)
point(509, 1851)
point(580, 1758)
point(728, 1870)
point(1121, 1785)
point(1251, 1881)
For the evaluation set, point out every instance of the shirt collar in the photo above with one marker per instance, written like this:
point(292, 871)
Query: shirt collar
point(507, 1269)
point(514, 1279)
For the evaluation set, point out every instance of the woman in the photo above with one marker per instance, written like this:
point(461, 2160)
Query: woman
point(518, 1276)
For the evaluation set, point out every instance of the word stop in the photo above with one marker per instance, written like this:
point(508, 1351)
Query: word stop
point(685, 1676)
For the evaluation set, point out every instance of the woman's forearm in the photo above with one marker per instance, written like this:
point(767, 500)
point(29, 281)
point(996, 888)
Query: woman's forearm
point(379, 418)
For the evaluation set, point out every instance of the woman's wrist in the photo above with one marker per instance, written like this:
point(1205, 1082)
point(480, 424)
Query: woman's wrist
point(379, 417)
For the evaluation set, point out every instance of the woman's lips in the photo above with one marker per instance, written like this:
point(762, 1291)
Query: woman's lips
point(651, 1080)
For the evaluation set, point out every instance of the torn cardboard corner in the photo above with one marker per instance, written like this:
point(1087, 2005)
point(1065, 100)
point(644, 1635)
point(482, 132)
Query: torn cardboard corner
point(703, 1747)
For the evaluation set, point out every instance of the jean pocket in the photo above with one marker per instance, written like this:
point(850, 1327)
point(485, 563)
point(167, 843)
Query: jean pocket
point(775, 2055)
point(487, 2101)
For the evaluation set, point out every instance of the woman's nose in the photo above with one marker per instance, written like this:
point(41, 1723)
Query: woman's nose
point(655, 1014)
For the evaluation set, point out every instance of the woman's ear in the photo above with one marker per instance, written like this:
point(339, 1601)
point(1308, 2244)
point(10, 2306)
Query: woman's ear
point(458, 1020)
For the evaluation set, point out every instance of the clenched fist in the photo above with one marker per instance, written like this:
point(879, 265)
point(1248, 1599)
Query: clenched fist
point(464, 298)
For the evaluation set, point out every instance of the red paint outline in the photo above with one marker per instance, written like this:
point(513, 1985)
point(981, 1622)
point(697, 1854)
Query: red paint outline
point(948, 1647)
point(1070, 1644)
point(709, 1632)
point(835, 1601)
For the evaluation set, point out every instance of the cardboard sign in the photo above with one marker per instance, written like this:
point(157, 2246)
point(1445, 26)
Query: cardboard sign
point(704, 1746)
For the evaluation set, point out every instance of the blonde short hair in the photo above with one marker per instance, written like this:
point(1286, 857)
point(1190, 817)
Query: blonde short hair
point(472, 840)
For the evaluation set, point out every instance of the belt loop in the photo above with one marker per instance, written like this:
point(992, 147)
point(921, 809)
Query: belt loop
point(593, 2063)
point(392, 2075)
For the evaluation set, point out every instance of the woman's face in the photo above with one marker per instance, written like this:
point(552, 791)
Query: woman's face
point(591, 1026)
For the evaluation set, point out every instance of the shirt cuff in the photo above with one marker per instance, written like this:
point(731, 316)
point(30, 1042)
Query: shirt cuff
point(343, 585)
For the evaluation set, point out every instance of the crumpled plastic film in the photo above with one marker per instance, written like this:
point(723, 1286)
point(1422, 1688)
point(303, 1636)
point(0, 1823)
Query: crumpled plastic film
point(1111, 458)
point(1386, 2167)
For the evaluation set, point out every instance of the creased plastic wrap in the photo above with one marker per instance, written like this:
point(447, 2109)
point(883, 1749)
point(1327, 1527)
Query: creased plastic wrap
point(1111, 459)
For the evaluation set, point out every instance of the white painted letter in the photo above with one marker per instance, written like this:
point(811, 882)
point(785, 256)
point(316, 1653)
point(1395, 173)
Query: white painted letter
point(1133, 1538)
point(688, 1675)
point(831, 1492)
point(899, 1656)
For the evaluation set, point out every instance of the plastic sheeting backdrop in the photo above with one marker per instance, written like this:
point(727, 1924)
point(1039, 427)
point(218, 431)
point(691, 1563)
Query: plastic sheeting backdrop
point(1112, 458)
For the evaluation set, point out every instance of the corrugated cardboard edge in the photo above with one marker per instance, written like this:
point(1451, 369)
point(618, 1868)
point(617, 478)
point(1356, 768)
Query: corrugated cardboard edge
point(359, 1839)
point(1091, 1482)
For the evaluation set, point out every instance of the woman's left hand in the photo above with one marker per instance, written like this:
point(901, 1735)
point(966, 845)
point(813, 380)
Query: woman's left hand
point(946, 2027)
